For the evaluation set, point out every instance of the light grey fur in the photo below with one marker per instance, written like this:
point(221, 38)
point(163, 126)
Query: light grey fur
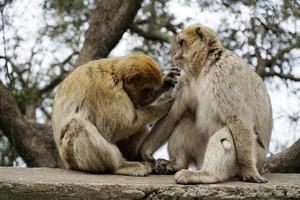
point(230, 128)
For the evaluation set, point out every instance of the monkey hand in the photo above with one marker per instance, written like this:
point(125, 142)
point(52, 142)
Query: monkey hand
point(163, 166)
point(147, 156)
point(170, 78)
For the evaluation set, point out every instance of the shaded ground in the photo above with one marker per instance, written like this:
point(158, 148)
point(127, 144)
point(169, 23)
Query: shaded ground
point(48, 183)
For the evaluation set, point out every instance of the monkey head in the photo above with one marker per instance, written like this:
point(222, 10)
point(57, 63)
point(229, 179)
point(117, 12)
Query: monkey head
point(192, 47)
point(141, 77)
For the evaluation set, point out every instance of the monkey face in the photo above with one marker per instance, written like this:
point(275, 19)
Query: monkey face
point(147, 96)
point(142, 91)
point(141, 77)
point(190, 45)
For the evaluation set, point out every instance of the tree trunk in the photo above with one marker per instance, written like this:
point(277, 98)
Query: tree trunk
point(287, 161)
point(107, 26)
point(34, 141)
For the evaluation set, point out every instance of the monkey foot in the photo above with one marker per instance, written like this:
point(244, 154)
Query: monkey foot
point(134, 169)
point(183, 176)
point(254, 179)
point(163, 166)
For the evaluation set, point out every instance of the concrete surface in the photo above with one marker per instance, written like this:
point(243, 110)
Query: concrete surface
point(47, 183)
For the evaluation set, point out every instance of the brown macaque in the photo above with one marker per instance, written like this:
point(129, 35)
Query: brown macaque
point(104, 102)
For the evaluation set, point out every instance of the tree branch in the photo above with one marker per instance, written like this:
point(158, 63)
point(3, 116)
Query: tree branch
point(59, 78)
point(4, 42)
point(53, 84)
point(8, 60)
point(150, 34)
point(282, 52)
point(286, 161)
point(260, 66)
point(280, 75)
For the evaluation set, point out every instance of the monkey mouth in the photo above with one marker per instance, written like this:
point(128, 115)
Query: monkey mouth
point(176, 58)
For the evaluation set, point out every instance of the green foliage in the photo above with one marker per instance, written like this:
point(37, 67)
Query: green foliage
point(24, 97)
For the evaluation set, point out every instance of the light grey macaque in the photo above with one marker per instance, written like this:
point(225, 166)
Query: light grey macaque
point(221, 119)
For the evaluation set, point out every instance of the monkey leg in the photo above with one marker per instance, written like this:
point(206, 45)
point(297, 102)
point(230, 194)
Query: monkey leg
point(130, 146)
point(219, 162)
point(261, 153)
point(82, 147)
point(246, 150)
point(183, 147)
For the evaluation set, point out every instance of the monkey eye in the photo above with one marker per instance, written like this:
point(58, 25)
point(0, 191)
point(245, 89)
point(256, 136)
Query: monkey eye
point(147, 91)
point(181, 42)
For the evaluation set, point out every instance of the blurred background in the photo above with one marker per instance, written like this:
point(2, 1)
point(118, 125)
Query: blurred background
point(41, 41)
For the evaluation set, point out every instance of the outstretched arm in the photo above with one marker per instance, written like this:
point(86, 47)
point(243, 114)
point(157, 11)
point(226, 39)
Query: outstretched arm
point(162, 129)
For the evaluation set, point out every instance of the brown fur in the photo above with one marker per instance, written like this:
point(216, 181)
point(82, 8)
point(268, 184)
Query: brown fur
point(102, 103)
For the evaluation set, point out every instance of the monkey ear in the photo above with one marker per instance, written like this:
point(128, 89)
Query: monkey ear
point(200, 33)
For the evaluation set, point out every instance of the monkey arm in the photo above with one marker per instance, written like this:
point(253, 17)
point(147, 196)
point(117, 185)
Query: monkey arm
point(162, 130)
point(148, 114)
point(169, 81)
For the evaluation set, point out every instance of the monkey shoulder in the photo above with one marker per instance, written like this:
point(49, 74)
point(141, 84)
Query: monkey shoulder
point(232, 71)
point(93, 87)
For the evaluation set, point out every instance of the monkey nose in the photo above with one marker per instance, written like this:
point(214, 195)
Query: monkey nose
point(178, 57)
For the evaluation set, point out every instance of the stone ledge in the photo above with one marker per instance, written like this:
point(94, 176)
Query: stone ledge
point(47, 183)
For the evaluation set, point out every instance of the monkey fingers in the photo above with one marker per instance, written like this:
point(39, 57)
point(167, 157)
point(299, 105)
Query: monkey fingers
point(174, 71)
point(170, 81)
point(170, 78)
